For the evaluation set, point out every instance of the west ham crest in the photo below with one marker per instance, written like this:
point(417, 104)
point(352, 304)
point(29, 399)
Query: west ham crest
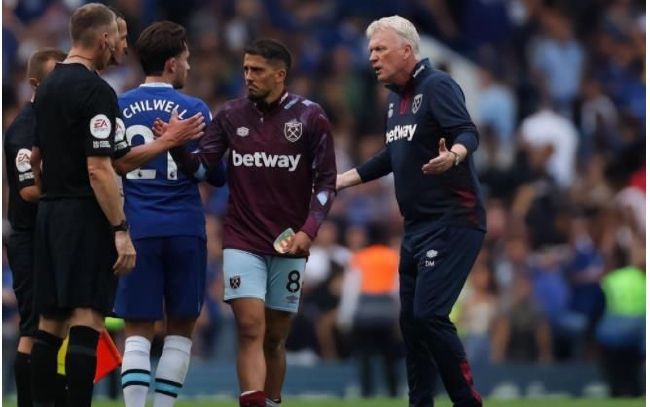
point(235, 282)
point(293, 131)
point(417, 101)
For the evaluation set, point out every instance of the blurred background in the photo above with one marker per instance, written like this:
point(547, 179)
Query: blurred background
point(556, 301)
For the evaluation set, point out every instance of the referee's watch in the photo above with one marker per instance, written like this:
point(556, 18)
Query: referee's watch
point(456, 157)
point(122, 227)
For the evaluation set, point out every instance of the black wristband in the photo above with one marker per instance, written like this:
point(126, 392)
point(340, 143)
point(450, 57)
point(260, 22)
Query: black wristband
point(122, 227)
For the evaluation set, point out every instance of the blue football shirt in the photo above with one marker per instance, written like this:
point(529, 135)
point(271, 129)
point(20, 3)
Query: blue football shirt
point(158, 199)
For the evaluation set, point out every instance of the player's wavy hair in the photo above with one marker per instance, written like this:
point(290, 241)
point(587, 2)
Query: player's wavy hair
point(401, 26)
point(271, 50)
point(159, 42)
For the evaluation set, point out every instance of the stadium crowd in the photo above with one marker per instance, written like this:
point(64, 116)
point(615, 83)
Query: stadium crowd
point(559, 97)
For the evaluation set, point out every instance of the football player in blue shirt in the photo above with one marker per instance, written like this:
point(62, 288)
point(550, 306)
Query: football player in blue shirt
point(167, 224)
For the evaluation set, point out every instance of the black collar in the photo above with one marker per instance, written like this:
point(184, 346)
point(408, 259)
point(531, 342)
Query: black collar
point(419, 73)
point(265, 107)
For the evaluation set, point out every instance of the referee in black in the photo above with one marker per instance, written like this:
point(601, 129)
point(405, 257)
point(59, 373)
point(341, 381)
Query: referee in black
point(82, 242)
point(23, 194)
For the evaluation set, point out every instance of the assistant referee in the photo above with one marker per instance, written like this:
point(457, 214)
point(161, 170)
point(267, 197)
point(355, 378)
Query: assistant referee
point(23, 195)
point(82, 242)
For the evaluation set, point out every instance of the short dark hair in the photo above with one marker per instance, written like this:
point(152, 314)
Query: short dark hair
point(118, 13)
point(86, 20)
point(159, 42)
point(272, 50)
point(36, 63)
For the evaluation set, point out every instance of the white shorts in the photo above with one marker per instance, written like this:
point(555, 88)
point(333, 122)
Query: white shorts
point(275, 280)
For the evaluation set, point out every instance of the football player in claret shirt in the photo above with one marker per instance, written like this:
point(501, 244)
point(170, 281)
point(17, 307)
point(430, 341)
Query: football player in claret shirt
point(165, 212)
point(281, 174)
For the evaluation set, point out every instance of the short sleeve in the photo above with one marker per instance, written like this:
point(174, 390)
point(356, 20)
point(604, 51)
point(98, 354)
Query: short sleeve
point(100, 116)
point(205, 110)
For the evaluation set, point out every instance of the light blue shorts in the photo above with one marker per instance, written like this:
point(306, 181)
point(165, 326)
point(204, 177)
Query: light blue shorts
point(275, 280)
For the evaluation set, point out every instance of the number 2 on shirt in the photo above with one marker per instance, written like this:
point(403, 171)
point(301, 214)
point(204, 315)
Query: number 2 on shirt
point(148, 173)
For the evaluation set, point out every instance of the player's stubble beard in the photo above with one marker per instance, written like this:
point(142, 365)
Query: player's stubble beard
point(257, 96)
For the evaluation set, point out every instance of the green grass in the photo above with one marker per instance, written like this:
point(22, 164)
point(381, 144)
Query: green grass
point(439, 403)
point(330, 402)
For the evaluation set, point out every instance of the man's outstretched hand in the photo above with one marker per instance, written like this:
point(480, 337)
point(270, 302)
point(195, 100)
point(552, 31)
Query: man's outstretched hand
point(179, 131)
point(441, 163)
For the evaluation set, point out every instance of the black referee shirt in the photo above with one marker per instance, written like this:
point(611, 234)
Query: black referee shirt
point(76, 114)
point(19, 138)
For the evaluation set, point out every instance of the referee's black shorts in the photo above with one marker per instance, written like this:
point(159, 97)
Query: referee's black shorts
point(75, 253)
point(20, 253)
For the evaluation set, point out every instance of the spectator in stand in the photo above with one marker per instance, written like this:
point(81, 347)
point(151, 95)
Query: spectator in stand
point(621, 332)
point(497, 107)
point(584, 271)
point(477, 312)
point(557, 61)
point(552, 292)
point(370, 309)
point(521, 332)
point(548, 130)
point(325, 252)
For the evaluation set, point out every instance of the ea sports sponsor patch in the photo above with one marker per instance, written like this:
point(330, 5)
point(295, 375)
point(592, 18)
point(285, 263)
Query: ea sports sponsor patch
point(23, 157)
point(100, 126)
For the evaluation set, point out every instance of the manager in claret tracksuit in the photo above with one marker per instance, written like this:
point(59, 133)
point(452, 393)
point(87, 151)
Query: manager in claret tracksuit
point(429, 141)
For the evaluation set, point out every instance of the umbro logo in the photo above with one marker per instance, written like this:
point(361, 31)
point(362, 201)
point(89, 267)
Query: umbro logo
point(242, 131)
point(430, 255)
